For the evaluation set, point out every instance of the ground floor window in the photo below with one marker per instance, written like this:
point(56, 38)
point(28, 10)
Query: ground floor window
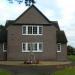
point(4, 47)
point(32, 47)
point(58, 47)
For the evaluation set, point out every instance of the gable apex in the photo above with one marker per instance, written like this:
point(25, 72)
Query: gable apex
point(32, 16)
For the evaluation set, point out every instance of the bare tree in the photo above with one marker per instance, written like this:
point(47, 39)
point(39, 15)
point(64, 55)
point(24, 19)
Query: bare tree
point(27, 2)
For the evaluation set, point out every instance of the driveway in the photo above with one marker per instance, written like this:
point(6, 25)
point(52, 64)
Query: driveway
point(44, 68)
point(29, 70)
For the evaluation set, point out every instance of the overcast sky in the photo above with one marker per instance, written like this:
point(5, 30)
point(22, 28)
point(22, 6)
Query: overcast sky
point(62, 11)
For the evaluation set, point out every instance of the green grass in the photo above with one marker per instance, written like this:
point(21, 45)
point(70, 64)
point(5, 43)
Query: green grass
point(71, 57)
point(66, 71)
point(4, 72)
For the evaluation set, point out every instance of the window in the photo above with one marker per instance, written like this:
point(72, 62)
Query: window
point(24, 30)
point(32, 30)
point(29, 47)
point(40, 30)
point(24, 46)
point(40, 46)
point(32, 47)
point(4, 47)
point(59, 47)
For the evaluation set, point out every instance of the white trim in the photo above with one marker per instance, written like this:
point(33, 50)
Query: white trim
point(37, 51)
point(26, 29)
point(37, 46)
point(42, 29)
point(25, 47)
point(32, 30)
point(32, 34)
point(37, 29)
point(60, 47)
point(42, 46)
point(3, 48)
point(32, 50)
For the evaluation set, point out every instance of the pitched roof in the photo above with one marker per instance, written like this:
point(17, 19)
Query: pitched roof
point(61, 38)
point(55, 23)
point(32, 16)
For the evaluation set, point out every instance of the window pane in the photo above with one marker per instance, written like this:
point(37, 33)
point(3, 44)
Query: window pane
point(59, 47)
point(30, 47)
point(35, 46)
point(29, 30)
point(40, 46)
point(5, 46)
point(24, 30)
point(24, 46)
point(34, 30)
point(40, 30)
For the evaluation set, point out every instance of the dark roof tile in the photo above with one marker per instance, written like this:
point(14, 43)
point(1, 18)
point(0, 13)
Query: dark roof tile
point(61, 38)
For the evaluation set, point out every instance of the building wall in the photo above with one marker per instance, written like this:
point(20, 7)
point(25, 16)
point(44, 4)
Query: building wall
point(3, 55)
point(15, 39)
point(63, 54)
point(32, 16)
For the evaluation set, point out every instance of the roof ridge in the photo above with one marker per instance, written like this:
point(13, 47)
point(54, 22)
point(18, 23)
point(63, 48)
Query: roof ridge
point(36, 9)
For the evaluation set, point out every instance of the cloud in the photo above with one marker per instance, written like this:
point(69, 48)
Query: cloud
point(61, 10)
point(67, 20)
point(67, 11)
point(10, 11)
point(49, 13)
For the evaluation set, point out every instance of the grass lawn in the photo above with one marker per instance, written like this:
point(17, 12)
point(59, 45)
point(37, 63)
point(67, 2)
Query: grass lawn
point(4, 72)
point(71, 57)
point(66, 71)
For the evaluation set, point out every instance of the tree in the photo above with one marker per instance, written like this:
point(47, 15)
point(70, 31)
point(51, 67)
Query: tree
point(70, 50)
point(1, 27)
point(27, 2)
point(3, 34)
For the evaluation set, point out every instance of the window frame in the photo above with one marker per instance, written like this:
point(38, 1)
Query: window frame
point(33, 30)
point(59, 49)
point(38, 27)
point(4, 50)
point(30, 30)
point(32, 45)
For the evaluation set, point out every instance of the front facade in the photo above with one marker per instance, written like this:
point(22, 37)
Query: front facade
point(33, 34)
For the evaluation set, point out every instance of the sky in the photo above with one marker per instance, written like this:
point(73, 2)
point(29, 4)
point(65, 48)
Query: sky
point(62, 11)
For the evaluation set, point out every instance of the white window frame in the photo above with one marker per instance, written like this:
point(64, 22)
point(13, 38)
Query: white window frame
point(32, 30)
point(32, 50)
point(3, 48)
point(25, 47)
point(59, 48)
point(38, 47)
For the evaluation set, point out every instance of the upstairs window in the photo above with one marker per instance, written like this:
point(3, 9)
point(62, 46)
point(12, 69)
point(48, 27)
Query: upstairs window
point(58, 47)
point(35, 30)
point(29, 30)
point(40, 30)
point(32, 30)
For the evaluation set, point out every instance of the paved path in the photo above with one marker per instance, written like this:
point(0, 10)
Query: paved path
point(29, 70)
point(33, 69)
